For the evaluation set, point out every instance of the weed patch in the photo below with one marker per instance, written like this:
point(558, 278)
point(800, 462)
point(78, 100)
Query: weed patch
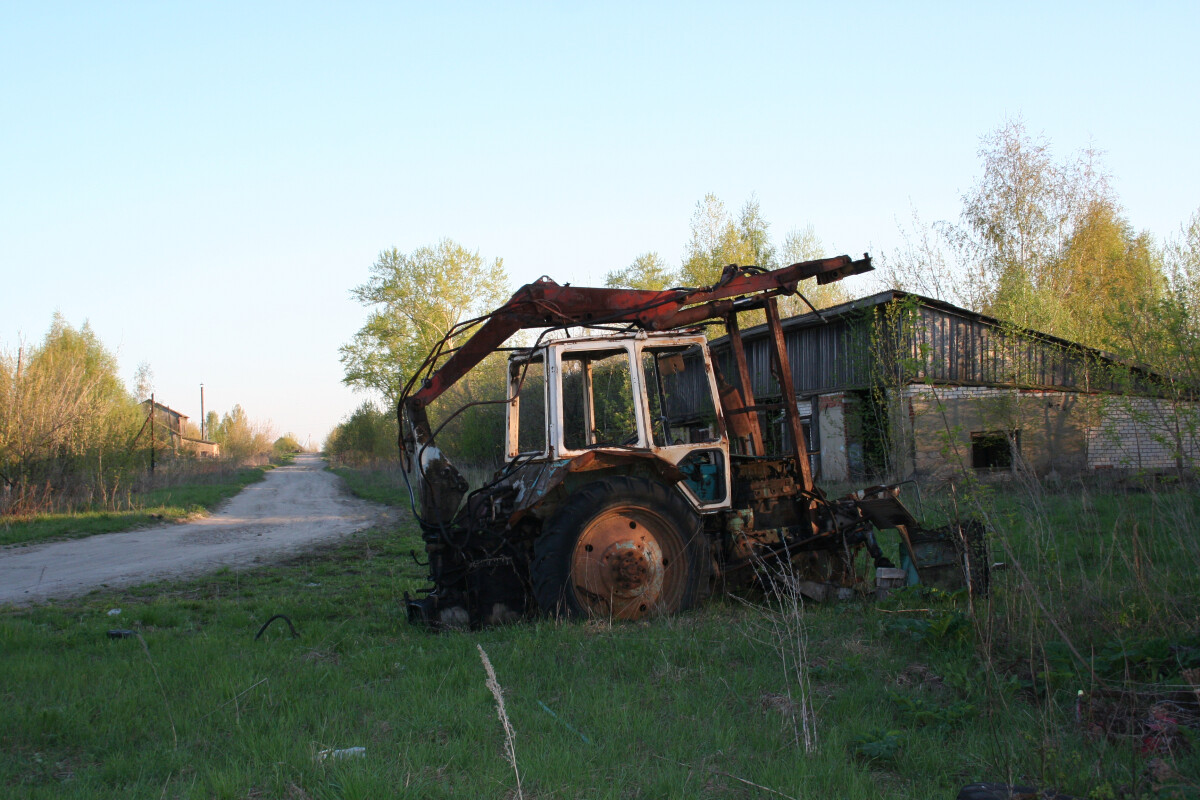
point(151, 507)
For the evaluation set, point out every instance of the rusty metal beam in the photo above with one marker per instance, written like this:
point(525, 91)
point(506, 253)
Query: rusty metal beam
point(746, 390)
point(783, 374)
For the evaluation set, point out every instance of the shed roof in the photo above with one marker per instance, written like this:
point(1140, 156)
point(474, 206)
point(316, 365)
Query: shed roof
point(851, 307)
point(954, 345)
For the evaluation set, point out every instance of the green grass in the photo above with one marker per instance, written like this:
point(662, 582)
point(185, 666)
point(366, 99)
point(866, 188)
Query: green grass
point(382, 486)
point(167, 504)
point(692, 706)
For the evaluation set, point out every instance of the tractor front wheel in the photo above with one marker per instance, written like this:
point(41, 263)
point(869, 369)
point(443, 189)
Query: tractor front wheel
point(621, 548)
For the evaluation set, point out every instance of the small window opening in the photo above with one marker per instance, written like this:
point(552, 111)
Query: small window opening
point(994, 449)
point(598, 409)
point(681, 404)
point(527, 385)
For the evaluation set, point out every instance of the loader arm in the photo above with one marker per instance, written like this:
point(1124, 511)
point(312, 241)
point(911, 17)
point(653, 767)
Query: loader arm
point(547, 304)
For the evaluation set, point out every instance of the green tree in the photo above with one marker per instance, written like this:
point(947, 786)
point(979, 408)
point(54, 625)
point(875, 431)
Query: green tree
point(753, 238)
point(1161, 329)
point(648, 271)
point(365, 436)
point(143, 382)
point(803, 244)
point(713, 244)
point(1182, 269)
point(1013, 218)
point(717, 240)
point(240, 437)
point(286, 445)
point(1105, 273)
point(1164, 331)
point(415, 299)
point(1041, 242)
point(64, 412)
point(1017, 222)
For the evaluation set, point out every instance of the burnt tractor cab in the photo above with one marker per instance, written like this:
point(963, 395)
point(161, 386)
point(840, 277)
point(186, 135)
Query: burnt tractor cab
point(636, 481)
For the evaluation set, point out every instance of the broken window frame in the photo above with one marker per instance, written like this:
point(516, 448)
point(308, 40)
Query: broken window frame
point(518, 368)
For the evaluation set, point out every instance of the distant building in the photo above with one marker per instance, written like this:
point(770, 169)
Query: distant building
point(169, 427)
point(897, 385)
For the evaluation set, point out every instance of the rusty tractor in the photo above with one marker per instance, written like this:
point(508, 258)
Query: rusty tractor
point(637, 478)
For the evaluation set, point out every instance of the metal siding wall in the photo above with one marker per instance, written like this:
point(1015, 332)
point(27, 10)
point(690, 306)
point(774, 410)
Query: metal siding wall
point(957, 349)
point(690, 387)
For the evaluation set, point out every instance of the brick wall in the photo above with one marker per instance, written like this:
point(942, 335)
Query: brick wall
point(1063, 433)
point(1144, 433)
point(936, 424)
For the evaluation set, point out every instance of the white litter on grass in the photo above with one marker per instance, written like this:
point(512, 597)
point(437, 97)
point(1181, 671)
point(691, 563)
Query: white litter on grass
point(112, 612)
point(335, 755)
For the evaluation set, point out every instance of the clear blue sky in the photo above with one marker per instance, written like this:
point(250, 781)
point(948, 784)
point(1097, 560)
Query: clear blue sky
point(205, 182)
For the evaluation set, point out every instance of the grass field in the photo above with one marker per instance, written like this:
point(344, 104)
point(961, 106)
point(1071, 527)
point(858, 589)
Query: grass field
point(913, 697)
point(165, 504)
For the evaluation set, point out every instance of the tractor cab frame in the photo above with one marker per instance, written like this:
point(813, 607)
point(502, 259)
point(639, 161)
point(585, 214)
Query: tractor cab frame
point(616, 394)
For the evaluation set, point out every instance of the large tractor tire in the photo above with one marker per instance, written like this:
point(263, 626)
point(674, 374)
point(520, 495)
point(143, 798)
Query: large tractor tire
point(621, 548)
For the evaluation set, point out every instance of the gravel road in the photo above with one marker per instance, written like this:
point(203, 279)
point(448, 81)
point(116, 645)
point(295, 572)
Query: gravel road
point(293, 508)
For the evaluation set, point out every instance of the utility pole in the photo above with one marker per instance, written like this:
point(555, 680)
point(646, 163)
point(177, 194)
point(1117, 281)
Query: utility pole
point(202, 436)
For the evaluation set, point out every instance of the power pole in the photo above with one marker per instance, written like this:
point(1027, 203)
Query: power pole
point(202, 436)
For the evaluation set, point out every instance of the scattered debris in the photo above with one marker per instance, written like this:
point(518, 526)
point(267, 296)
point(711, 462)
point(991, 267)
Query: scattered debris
point(113, 612)
point(1162, 729)
point(338, 755)
point(781, 703)
point(919, 676)
point(1162, 773)
point(565, 724)
point(1158, 721)
point(887, 579)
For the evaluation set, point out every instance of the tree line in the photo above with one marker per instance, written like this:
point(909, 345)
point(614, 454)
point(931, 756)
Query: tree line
point(72, 435)
point(1044, 243)
point(1041, 242)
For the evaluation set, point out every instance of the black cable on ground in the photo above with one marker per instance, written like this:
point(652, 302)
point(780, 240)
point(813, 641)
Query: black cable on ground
point(267, 624)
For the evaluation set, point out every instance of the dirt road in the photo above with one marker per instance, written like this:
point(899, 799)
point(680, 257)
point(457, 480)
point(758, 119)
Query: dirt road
point(294, 507)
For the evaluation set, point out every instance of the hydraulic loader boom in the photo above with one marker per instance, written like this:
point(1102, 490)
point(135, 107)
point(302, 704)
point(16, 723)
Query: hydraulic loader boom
point(546, 304)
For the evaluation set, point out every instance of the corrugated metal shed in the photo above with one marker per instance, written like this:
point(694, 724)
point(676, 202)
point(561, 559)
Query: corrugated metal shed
point(894, 338)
